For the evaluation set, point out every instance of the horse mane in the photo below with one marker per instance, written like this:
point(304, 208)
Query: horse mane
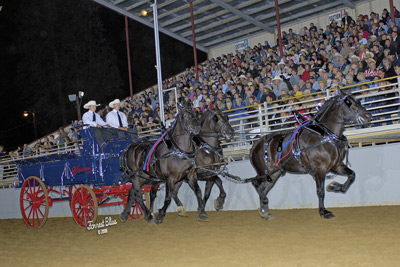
point(203, 117)
point(325, 107)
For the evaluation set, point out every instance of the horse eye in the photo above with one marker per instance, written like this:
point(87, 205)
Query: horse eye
point(216, 118)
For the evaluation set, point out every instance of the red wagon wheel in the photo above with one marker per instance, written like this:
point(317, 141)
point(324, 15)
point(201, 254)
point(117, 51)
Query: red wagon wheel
point(34, 202)
point(136, 212)
point(84, 206)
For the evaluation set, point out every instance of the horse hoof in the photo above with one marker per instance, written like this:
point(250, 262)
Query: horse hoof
point(203, 217)
point(334, 187)
point(158, 219)
point(265, 215)
point(123, 218)
point(218, 205)
point(151, 219)
point(182, 212)
point(327, 215)
point(269, 217)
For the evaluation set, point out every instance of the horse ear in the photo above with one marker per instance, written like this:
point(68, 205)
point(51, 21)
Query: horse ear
point(339, 92)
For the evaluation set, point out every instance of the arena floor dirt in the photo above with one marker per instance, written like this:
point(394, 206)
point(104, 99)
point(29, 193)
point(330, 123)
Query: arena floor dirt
point(365, 236)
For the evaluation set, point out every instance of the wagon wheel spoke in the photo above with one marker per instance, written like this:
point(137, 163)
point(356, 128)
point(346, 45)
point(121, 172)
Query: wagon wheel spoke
point(41, 213)
point(30, 205)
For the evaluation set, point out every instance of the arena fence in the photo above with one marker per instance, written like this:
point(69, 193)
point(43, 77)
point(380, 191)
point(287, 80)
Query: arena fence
point(381, 99)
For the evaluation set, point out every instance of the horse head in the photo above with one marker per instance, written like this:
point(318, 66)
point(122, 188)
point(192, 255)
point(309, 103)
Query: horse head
point(218, 122)
point(188, 120)
point(353, 111)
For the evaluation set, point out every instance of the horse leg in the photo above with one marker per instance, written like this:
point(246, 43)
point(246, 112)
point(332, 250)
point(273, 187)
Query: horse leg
point(262, 188)
point(342, 188)
point(153, 194)
point(135, 194)
point(201, 213)
point(207, 191)
point(219, 202)
point(159, 217)
point(181, 209)
point(320, 183)
point(125, 213)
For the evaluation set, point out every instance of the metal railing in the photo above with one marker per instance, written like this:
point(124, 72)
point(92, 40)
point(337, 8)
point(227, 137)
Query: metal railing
point(381, 99)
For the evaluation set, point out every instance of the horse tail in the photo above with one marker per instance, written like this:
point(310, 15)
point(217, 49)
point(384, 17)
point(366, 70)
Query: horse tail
point(257, 153)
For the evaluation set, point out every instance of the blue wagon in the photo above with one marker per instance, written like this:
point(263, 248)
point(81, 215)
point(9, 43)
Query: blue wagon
point(83, 174)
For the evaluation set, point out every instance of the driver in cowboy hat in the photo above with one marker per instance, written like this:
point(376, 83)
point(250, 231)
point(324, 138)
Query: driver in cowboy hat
point(91, 118)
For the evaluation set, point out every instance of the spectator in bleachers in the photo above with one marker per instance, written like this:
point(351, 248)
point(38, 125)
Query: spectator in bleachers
point(278, 85)
point(2, 151)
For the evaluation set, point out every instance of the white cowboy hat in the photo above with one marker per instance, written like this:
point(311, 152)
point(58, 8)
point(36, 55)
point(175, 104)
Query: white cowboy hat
point(277, 78)
point(90, 103)
point(370, 53)
point(355, 57)
point(115, 101)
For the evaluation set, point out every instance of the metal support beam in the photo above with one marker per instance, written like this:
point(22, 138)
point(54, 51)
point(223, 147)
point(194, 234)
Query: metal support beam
point(243, 15)
point(194, 40)
point(214, 15)
point(278, 24)
point(285, 19)
point(391, 10)
point(158, 61)
point(297, 16)
point(147, 23)
point(136, 5)
point(128, 55)
point(348, 3)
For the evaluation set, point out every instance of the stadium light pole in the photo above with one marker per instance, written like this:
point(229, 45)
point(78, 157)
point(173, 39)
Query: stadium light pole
point(26, 114)
point(78, 101)
point(158, 61)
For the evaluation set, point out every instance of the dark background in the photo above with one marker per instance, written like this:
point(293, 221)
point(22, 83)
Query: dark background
point(50, 49)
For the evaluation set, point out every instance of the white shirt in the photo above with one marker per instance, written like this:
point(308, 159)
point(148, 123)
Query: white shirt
point(112, 119)
point(87, 118)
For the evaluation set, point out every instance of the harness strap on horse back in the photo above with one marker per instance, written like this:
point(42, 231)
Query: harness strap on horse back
point(316, 127)
point(146, 166)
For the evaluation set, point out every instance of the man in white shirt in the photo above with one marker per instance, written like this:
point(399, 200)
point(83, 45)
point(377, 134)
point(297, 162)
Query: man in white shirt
point(92, 119)
point(115, 118)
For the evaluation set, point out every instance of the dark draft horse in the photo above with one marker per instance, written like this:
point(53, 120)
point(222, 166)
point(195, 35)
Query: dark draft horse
point(209, 158)
point(170, 163)
point(317, 149)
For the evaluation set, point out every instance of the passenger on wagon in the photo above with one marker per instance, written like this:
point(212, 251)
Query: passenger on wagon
point(117, 119)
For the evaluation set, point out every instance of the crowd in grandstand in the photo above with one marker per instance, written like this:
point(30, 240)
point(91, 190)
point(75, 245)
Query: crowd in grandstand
point(345, 53)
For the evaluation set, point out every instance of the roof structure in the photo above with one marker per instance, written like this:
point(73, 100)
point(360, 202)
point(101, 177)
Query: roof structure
point(222, 21)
